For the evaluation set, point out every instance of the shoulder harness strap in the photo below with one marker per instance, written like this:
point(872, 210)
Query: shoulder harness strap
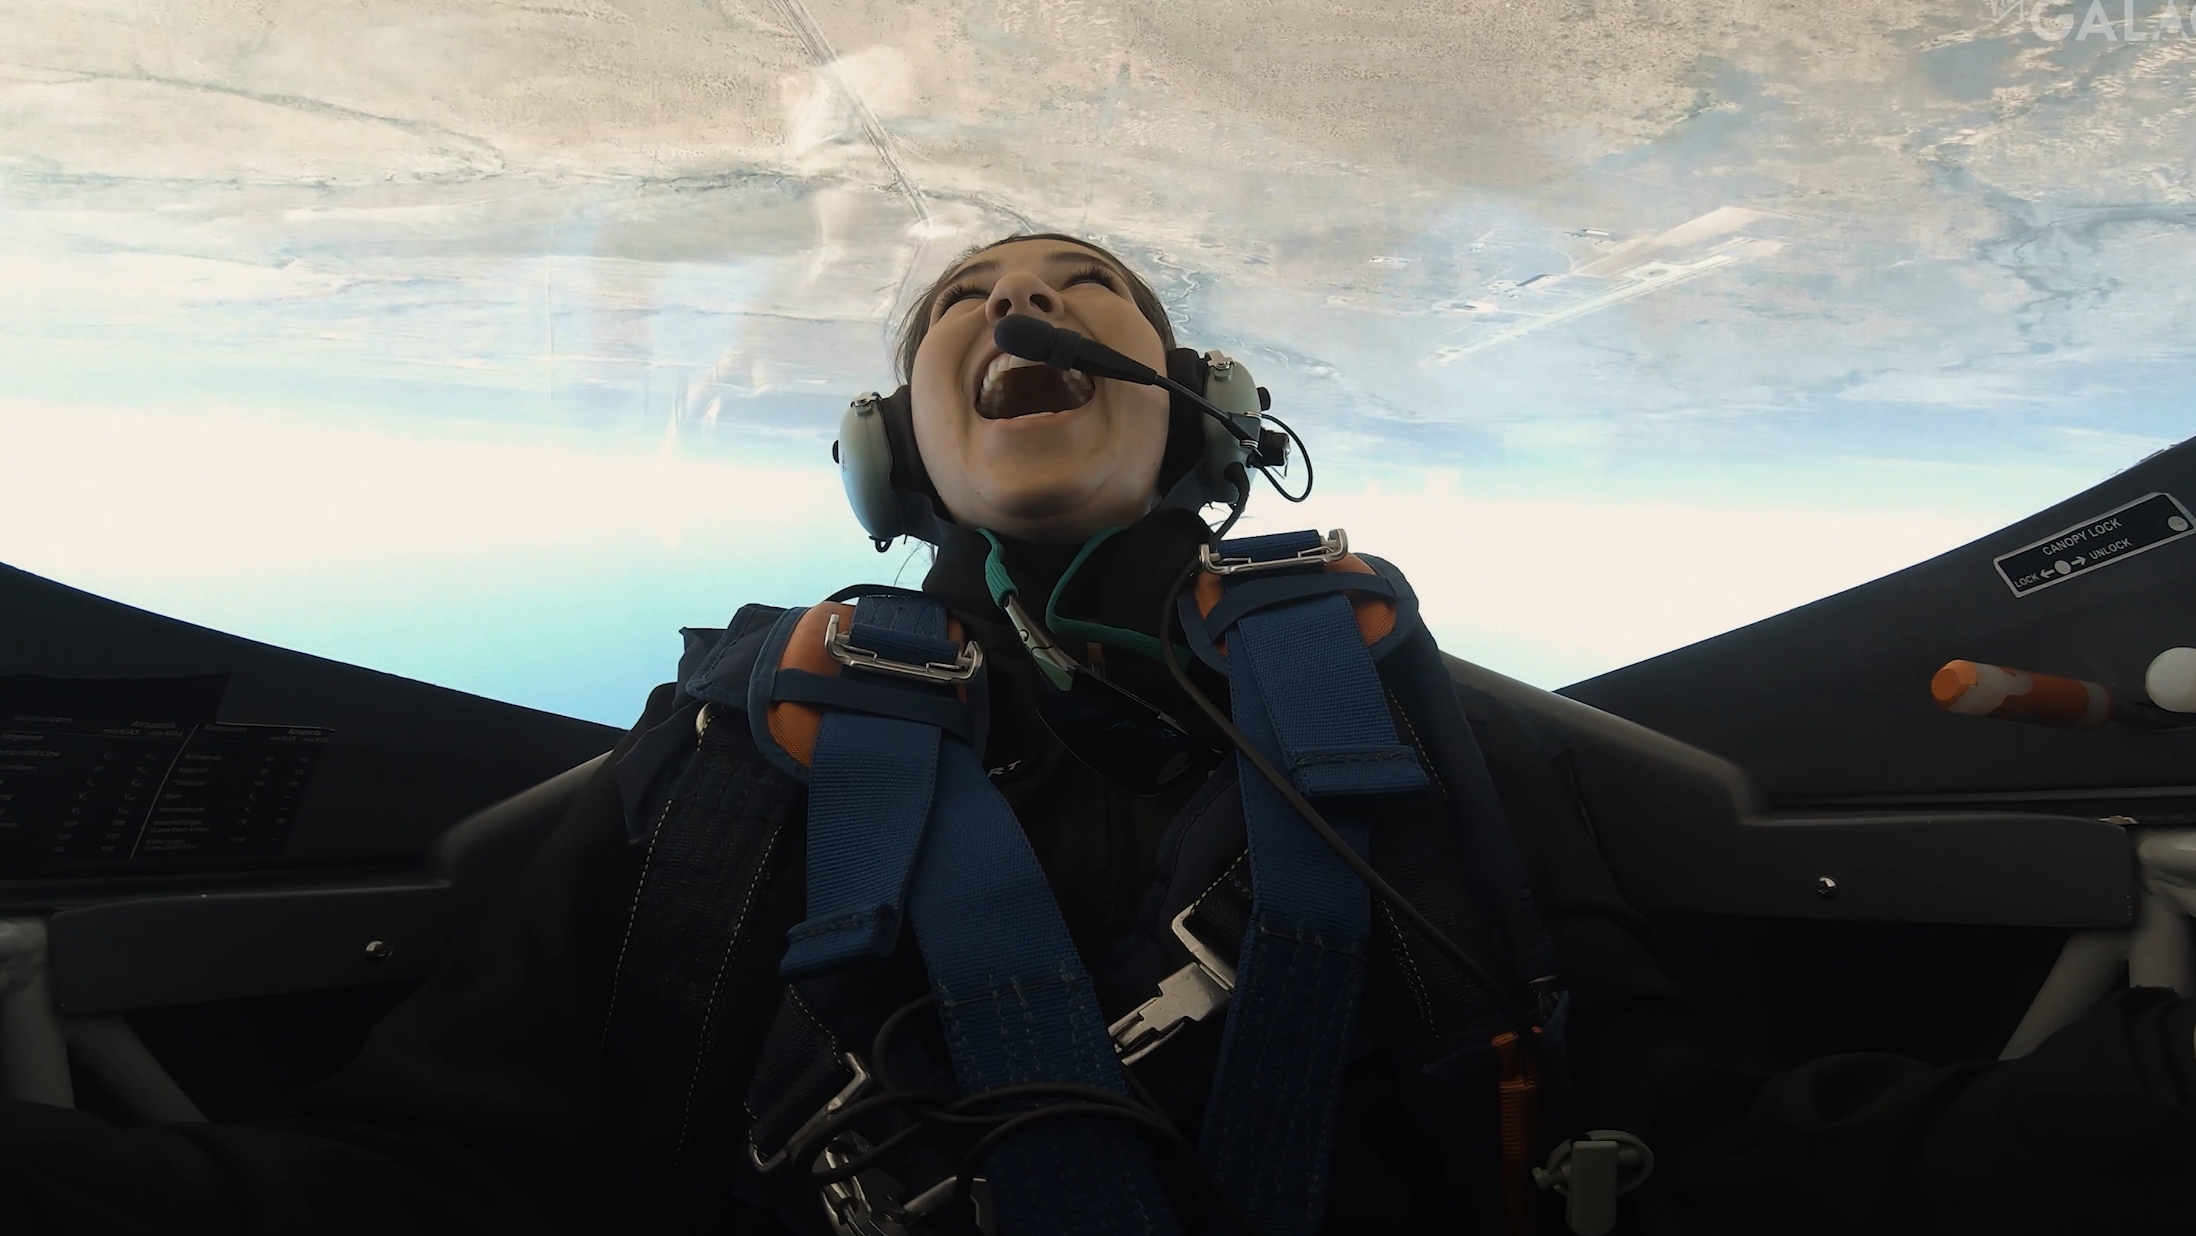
point(710, 812)
point(1276, 614)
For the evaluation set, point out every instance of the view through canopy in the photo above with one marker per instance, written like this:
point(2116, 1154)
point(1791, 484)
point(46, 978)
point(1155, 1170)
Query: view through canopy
point(490, 343)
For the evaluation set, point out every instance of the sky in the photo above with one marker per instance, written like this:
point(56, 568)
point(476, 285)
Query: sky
point(489, 344)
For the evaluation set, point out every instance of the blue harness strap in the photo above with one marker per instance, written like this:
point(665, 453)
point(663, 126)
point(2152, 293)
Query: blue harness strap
point(901, 814)
point(870, 793)
point(1303, 690)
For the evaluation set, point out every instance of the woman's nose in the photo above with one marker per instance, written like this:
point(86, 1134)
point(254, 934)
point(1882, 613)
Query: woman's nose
point(1021, 292)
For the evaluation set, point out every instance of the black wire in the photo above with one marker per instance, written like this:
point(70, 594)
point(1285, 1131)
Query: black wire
point(1448, 948)
point(1145, 1096)
point(1018, 1091)
point(865, 1160)
point(883, 1041)
point(819, 1139)
point(1235, 513)
point(1203, 405)
point(1286, 496)
point(1303, 452)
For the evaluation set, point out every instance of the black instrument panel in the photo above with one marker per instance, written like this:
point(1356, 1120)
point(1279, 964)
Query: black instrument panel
point(137, 751)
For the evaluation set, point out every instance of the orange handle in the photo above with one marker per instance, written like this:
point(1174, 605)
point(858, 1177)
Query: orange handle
point(1974, 689)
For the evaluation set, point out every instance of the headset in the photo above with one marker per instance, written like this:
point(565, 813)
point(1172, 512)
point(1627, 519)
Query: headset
point(1213, 439)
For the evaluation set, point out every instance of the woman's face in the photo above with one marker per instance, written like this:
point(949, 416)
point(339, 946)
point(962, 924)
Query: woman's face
point(1025, 450)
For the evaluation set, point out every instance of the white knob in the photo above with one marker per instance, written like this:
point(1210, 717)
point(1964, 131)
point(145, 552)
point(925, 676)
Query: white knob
point(2171, 682)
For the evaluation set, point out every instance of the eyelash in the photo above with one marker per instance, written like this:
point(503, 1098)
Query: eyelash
point(953, 295)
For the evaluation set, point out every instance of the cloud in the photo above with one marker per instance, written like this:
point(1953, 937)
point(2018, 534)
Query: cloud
point(114, 495)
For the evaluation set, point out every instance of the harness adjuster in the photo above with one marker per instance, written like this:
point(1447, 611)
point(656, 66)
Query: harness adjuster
point(1332, 547)
point(847, 1094)
point(842, 650)
point(1190, 994)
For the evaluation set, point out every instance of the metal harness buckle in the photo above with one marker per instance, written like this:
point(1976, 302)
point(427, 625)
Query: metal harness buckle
point(847, 1094)
point(1190, 994)
point(869, 1204)
point(845, 653)
point(1331, 548)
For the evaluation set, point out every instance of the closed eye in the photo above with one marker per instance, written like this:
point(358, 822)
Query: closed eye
point(1093, 274)
point(957, 293)
point(1088, 274)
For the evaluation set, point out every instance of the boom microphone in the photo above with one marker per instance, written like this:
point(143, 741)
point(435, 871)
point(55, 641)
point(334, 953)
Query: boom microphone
point(1033, 339)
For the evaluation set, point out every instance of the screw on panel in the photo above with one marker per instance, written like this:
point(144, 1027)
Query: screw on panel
point(378, 951)
point(1825, 887)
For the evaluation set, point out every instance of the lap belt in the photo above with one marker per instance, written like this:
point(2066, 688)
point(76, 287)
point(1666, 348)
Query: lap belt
point(902, 813)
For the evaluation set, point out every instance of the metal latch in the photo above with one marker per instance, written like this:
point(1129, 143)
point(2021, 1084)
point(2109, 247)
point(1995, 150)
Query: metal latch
point(1332, 547)
point(1190, 994)
point(1591, 1173)
point(862, 1205)
point(868, 1204)
point(841, 647)
point(847, 1094)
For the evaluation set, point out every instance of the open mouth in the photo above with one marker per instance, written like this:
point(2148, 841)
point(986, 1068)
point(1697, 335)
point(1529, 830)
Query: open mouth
point(1012, 387)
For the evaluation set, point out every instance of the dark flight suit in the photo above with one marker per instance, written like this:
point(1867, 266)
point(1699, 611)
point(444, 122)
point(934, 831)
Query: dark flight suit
point(475, 1106)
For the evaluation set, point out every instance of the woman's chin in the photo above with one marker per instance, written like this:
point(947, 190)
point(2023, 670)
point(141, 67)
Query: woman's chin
point(1046, 513)
point(1037, 505)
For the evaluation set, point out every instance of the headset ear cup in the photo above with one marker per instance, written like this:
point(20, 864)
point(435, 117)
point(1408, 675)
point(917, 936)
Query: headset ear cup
point(1186, 441)
point(865, 455)
point(909, 475)
point(883, 472)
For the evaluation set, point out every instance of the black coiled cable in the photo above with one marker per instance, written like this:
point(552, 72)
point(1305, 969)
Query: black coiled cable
point(1303, 452)
point(1241, 478)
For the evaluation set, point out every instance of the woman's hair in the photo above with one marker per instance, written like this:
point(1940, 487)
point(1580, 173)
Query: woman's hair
point(917, 323)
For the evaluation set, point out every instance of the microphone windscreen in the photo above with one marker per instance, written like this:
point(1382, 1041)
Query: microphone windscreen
point(1018, 334)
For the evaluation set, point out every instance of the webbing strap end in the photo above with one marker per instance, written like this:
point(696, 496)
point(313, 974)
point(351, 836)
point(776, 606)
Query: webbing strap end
point(819, 945)
point(1357, 772)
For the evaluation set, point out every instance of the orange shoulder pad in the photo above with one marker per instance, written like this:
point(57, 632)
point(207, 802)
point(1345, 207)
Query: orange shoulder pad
point(1375, 614)
point(793, 726)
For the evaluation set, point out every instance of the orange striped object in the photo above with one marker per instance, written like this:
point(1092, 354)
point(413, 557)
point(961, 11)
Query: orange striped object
point(1973, 689)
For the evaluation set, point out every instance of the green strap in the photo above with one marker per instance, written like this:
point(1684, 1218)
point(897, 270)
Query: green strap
point(1142, 645)
point(1048, 657)
point(1002, 587)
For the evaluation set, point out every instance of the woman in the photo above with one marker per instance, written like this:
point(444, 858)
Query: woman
point(602, 1054)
